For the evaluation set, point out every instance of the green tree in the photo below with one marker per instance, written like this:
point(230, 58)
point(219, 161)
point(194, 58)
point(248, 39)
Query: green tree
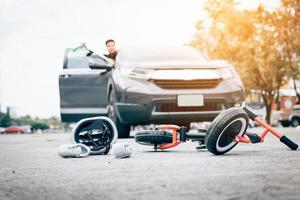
point(5, 120)
point(39, 125)
point(252, 41)
point(24, 120)
point(288, 27)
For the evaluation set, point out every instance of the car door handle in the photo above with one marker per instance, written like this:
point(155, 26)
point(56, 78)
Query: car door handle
point(104, 72)
point(65, 75)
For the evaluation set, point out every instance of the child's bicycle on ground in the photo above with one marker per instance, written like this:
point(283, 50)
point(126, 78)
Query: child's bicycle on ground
point(227, 130)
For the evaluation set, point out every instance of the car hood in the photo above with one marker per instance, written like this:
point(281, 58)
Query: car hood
point(178, 64)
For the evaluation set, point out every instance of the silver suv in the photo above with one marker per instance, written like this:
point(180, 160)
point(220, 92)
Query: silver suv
point(147, 84)
point(292, 118)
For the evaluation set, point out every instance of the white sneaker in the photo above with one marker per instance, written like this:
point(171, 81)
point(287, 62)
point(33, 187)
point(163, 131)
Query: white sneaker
point(122, 150)
point(73, 150)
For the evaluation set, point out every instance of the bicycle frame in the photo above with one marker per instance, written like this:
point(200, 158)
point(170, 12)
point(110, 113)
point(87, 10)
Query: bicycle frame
point(175, 140)
point(267, 129)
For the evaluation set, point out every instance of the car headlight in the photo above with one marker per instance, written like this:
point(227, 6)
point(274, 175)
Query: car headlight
point(226, 73)
point(137, 72)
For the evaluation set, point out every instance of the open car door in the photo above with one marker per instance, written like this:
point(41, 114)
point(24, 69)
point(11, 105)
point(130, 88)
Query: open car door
point(83, 91)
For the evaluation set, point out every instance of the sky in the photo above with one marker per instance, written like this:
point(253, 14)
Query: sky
point(35, 33)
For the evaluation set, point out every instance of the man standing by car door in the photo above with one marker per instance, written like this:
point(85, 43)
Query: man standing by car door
point(111, 48)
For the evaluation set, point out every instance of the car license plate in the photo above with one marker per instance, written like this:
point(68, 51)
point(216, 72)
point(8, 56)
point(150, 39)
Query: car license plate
point(190, 100)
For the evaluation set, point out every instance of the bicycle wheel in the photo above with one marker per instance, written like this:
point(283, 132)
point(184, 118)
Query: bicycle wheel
point(224, 128)
point(153, 137)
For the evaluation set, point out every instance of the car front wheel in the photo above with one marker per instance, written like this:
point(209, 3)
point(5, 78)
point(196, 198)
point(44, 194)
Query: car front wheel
point(123, 130)
point(285, 123)
point(295, 122)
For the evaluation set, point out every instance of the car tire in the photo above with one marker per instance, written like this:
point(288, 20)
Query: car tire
point(285, 123)
point(123, 129)
point(221, 133)
point(295, 122)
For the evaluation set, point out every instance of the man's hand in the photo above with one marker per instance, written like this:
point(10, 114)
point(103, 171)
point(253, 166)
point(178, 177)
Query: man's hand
point(83, 45)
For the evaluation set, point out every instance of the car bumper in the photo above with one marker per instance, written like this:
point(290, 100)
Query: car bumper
point(142, 108)
point(143, 102)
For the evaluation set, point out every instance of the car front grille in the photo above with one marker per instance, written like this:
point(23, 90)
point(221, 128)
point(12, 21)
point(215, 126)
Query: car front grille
point(187, 84)
point(173, 107)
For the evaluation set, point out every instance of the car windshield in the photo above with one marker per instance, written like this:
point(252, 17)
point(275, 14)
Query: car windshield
point(296, 108)
point(160, 54)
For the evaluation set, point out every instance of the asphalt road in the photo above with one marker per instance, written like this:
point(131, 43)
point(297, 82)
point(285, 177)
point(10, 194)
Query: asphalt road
point(31, 169)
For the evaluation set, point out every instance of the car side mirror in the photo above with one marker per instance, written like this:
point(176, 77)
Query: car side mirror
point(100, 64)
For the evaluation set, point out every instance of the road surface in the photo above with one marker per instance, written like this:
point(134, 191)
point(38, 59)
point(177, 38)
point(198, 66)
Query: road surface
point(31, 169)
